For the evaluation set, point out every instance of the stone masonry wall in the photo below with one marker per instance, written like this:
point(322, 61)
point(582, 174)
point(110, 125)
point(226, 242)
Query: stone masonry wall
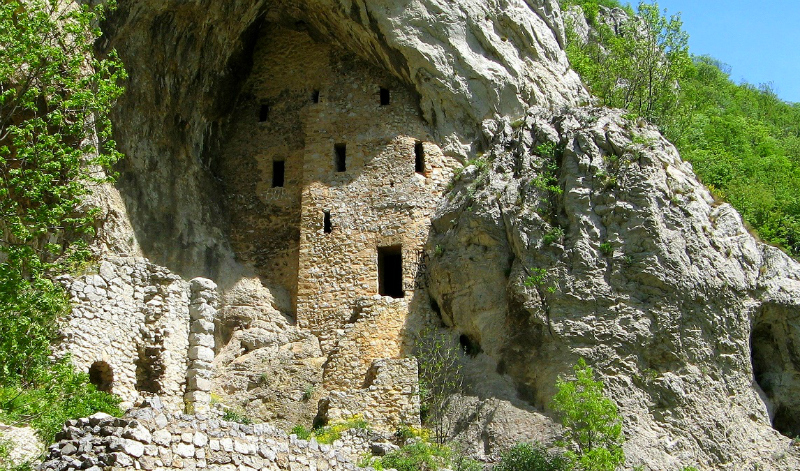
point(360, 172)
point(129, 329)
point(151, 439)
point(302, 99)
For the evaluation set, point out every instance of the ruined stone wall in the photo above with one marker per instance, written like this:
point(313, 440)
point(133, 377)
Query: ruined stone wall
point(151, 439)
point(129, 329)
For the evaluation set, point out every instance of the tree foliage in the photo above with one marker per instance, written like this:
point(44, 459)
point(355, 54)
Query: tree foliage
point(743, 141)
point(55, 142)
point(592, 426)
point(526, 457)
point(637, 67)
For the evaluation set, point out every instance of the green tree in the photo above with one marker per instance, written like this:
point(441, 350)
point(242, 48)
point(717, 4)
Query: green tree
point(638, 67)
point(592, 426)
point(743, 141)
point(55, 143)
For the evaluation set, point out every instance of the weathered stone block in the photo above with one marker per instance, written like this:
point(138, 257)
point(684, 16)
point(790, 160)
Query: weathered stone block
point(162, 437)
point(185, 450)
point(201, 353)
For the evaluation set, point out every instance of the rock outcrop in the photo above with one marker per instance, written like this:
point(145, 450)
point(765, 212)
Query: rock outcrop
point(584, 235)
point(20, 446)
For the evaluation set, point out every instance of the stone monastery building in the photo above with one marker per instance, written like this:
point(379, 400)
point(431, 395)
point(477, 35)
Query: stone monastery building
point(330, 177)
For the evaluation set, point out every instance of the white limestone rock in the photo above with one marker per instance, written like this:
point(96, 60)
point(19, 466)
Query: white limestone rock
point(655, 284)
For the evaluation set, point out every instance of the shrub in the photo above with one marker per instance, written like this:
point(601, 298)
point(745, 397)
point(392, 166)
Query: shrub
point(553, 235)
point(419, 456)
point(61, 394)
point(440, 376)
point(592, 426)
point(235, 416)
point(302, 432)
point(331, 433)
point(525, 457)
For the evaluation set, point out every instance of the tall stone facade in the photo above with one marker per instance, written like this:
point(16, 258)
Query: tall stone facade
point(129, 329)
point(330, 177)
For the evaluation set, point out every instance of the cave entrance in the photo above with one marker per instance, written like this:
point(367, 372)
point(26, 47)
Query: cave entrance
point(101, 375)
point(775, 372)
point(390, 271)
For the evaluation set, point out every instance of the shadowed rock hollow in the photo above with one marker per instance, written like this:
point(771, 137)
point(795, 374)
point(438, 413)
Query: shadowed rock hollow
point(468, 61)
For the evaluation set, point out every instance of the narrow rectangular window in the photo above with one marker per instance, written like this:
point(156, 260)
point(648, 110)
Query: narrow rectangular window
point(419, 158)
point(341, 157)
point(385, 96)
point(327, 227)
point(315, 96)
point(390, 271)
point(278, 172)
point(263, 113)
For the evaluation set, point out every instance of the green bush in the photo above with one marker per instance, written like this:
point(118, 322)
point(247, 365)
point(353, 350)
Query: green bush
point(331, 433)
point(234, 416)
point(302, 432)
point(419, 456)
point(525, 457)
point(592, 425)
point(60, 394)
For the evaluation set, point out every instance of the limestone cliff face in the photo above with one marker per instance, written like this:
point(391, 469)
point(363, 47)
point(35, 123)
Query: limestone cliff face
point(467, 60)
point(585, 235)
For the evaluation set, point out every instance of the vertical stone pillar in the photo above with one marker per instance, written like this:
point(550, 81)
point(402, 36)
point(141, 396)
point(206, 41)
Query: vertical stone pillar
point(202, 311)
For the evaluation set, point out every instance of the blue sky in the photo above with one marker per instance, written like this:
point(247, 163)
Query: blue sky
point(759, 40)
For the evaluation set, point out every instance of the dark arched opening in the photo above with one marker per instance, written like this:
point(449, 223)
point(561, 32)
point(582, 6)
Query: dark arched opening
point(775, 369)
point(102, 376)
